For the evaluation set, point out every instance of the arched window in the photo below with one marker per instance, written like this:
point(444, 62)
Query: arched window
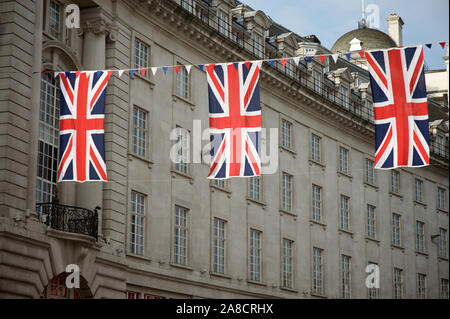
point(48, 144)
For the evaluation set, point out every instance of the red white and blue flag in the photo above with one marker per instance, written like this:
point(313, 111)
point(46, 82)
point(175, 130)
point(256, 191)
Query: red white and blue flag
point(234, 119)
point(400, 107)
point(82, 142)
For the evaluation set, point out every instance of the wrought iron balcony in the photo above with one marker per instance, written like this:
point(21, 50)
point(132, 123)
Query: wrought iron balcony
point(68, 218)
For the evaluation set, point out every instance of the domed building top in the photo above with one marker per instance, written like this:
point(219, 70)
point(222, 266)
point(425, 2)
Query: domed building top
point(371, 39)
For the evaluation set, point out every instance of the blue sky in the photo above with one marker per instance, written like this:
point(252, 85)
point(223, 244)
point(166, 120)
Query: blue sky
point(425, 21)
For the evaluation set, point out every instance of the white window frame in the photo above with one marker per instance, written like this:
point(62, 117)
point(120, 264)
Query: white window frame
point(443, 242)
point(60, 25)
point(344, 213)
point(137, 223)
point(397, 283)
point(255, 188)
point(287, 191)
point(396, 224)
point(343, 160)
point(139, 132)
point(181, 164)
point(420, 236)
point(222, 22)
point(317, 203)
point(317, 282)
point(369, 171)
point(346, 284)
point(219, 246)
point(418, 190)
point(286, 133)
point(287, 263)
point(371, 222)
point(441, 198)
point(258, 44)
point(317, 81)
point(141, 56)
point(180, 236)
point(182, 82)
point(316, 148)
point(395, 181)
point(421, 286)
point(255, 255)
point(444, 291)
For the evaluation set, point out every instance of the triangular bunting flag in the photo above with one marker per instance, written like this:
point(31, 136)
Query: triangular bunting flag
point(120, 73)
point(283, 61)
point(271, 62)
point(77, 74)
point(428, 45)
point(188, 68)
point(154, 70)
point(67, 74)
point(322, 58)
point(165, 69)
point(143, 71)
point(132, 72)
point(248, 65)
point(335, 57)
point(236, 65)
point(259, 63)
point(296, 60)
point(309, 58)
point(362, 54)
point(55, 75)
point(348, 55)
point(200, 66)
point(176, 68)
point(442, 44)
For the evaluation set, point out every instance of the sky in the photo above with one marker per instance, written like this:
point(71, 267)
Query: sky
point(425, 21)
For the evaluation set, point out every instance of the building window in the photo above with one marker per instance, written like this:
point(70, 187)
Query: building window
point(139, 131)
point(418, 190)
point(369, 108)
point(369, 172)
point(58, 287)
point(345, 276)
point(444, 289)
point(286, 203)
point(396, 229)
point(137, 223)
point(343, 160)
point(141, 55)
point(344, 216)
point(183, 83)
point(398, 283)
point(255, 255)
point(317, 275)
point(395, 181)
point(54, 19)
point(371, 222)
point(421, 286)
point(286, 133)
point(254, 188)
point(443, 240)
point(344, 97)
point(316, 203)
point(219, 183)
point(287, 261)
point(48, 143)
point(315, 147)
point(182, 154)
point(180, 248)
point(134, 295)
point(440, 145)
point(258, 48)
point(317, 81)
point(420, 236)
point(441, 198)
point(186, 5)
point(219, 246)
point(372, 292)
point(223, 22)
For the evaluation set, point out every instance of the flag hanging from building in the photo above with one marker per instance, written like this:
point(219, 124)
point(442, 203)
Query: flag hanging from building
point(400, 107)
point(234, 119)
point(82, 142)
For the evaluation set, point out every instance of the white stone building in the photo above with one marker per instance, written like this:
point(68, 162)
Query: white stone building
point(160, 230)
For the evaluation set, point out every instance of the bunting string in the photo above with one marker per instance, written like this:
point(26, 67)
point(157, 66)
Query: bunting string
point(296, 59)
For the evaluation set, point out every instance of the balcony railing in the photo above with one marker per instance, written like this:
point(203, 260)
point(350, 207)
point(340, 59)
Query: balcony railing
point(68, 218)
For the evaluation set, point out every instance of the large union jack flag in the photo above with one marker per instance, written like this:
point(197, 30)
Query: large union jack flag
point(234, 119)
point(82, 150)
point(400, 107)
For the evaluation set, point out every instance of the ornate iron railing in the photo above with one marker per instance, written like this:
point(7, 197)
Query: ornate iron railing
point(68, 218)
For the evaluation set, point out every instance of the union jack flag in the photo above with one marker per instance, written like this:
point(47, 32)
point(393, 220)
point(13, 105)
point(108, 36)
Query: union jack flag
point(82, 150)
point(234, 119)
point(400, 107)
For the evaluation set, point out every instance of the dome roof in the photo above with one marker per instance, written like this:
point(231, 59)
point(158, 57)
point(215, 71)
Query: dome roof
point(371, 39)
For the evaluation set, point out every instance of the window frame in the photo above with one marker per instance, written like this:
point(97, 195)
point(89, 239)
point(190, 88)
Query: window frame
point(314, 289)
point(421, 245)
point(185, 153)
point(375, 237)
point(185, 92)
point(224, 27)
point(398, 287)
point(137, 39)
point(443, 242)
point(421, 183)
point(343, 276)
point(438, 197)
point(347, 198)
point(347, 166)
point(259, 249)
point(319, 148)
point(132, 245)
point(400, 239)
point(287, 193)
point(289, 130)
point(393, 173)
point(225, 246)
point(145, 131)
point(175, 260)
point(421, 290)
point(320, 201)
point(291, 263)
point(368, 169)
point(250, 190)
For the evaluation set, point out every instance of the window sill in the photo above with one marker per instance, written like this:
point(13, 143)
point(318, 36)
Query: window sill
point(216, 274)
point(289, 150)
point(138, 75)
point(442, 258)
point(259, 283)
point(371, 185)
point(175, 173)
point(340, 173)
point(143, 159)
point(314, 294)
point(417, 202)
point(398, 247)
point(142, 257)
point(311, 162)
point(176, 97)
point(282, 211)
point(396, 194)
point(345, 231)
point(251, 200)
point(423, 253)
point(372, 239)
point(181, 266)
point(225, 190)
point(289, 289)
point(440, 210)
point(312, 222)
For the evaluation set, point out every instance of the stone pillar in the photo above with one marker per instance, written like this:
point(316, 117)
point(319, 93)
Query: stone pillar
point(35, 106)
point(395, 26)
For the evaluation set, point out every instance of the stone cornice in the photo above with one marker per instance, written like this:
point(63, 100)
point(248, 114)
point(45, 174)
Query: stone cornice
point(98, 21)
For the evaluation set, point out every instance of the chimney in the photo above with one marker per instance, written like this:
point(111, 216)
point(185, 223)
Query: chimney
point(395, 24)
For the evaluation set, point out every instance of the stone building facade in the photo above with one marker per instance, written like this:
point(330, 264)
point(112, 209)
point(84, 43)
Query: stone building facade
point(162, 230)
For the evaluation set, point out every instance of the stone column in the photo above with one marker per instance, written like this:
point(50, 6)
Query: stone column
point(35, 106)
